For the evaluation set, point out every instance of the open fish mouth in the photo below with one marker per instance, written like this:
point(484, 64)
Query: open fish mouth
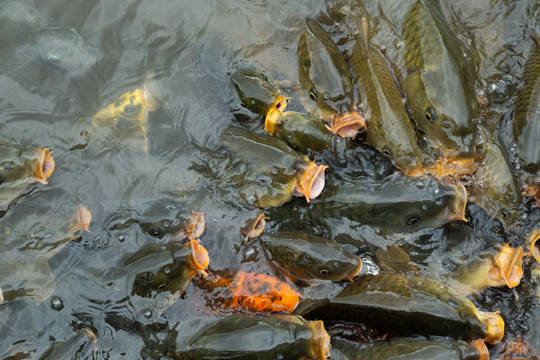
point(195, 225)
point(321, 340)
point(457, 209)
point(274, 113)
point(199, 259)
point(483, 352)
point(312, 182)
point(256, 228)
point(507, 267)
point(535, 244)
point(45, 166)
point(83, 217)
point(355, 272)
point(494, 325)
point(348, 124)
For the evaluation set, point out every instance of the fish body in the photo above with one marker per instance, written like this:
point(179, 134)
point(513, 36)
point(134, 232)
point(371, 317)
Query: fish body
point(398, 203)
point(409, 306)
point(307, 258)
point(21, 166)
point(250, 337)
point(527, 117)
point(389, 128)
point(327, 81)
point(435, 76)
point(412, 349)
point(155, 269)
point(267, 172)
point(58, 46)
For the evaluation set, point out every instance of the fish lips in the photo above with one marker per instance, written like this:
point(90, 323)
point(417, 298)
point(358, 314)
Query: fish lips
point(311, 182)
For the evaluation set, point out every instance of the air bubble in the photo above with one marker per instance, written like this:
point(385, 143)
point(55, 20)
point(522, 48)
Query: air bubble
point(57, 303)
point(148, 314)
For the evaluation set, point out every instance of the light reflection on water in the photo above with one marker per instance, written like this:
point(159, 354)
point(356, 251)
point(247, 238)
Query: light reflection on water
point(184, 52)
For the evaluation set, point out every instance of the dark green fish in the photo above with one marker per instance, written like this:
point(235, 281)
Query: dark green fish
point(258, 94)
point(56, 45)
point(307, 258)
point(495, 187)
point(327, 81)
point(409, 306)
point(250, 337)
point(436, 78)
point(398, 204)
point(388, 128)
point(78, 347)
point(171, 267)
point(267, 172)
point(527, 117)
point(412, 349)
point(21, 166)
point(167, 217)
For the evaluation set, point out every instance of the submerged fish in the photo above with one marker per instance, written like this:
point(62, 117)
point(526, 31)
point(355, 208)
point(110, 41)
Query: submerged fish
point(408, 306)
point(412, 349)
point(243, 337)
point(57, 45)
point(21, 166)
point(527, 122)
point(308, 258)
point(389, 128)
point(435, 76)
point(267, 172)
point(167, 217)
point(78, 347)
point(327, 81)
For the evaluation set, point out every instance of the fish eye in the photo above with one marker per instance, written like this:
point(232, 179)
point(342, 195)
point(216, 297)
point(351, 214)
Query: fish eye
point(504, 213)
point(313, 94)
point(387, 151)
point(155, 231)
point(430, 115)
point(411, 220)
point(324, 272)
point(264, 77)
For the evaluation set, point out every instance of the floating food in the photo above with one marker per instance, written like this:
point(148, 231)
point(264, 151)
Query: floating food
point(389, 128)
point(527, 122)
point(78, 347)
point(171, 267)
point(409, 306)
point(327, 81)
point(58, 46)
point(21, 166)
point(435, 76)
point(308, 258)
point(258, 94)
point(260, 337)
point(412, 349)
point(271, 172)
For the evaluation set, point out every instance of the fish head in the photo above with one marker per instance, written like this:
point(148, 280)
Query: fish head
point(443, 111)
point(324, 74)
point(257, 93)
point(401, 149)
point(310, 181)
point(63, 49)
point(45, 165)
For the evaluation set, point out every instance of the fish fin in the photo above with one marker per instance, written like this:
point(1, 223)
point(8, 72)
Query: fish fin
point(364, 28)
point(535, 37)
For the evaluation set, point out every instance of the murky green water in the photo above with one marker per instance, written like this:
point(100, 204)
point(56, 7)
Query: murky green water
point(186, 51)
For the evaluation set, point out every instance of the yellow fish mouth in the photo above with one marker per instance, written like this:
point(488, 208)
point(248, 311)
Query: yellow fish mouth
point(446, 167)
point(507, 269)
point(83, 218)
point(494, 327)
point(256, 228)
point(45, 166)
point(534, 245)
point(311, 182)
point(483, 352)
point(195, 226)
point(348, 124)
point(457, 210)
point(355, 272)
point(274, 113)
point(321, 340)
point(199, 259)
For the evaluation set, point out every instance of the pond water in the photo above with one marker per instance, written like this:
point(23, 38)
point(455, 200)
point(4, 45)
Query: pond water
point(183, 53)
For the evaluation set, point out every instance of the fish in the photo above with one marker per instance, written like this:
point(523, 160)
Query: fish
point(258, 94)
point(395, 204)
point(436, 78)
point(242, 337)
point(494, 186)
point(78, 346)
point(526, 122)
point(168, 268)
point(164, 217)
point(388, 128)
point(308, 258)
point(271, 172)
point(408, 306)
point(25, 254)
point(254, 228)
point(58, 46)
point(21, 166)
point(126, 116)
point(412, 349)
point(534, 244)
point(328, 91)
